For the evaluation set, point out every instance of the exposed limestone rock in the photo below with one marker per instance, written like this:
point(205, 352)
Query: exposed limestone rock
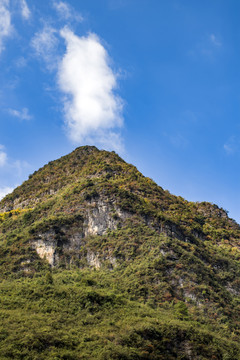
point(112, 260)
point(45, 246)
point(98, 218)
point(93, 260)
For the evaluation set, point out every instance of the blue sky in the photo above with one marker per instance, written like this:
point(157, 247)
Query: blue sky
point(155, 80)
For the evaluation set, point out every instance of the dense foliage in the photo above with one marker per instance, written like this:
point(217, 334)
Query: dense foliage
point(83, 315)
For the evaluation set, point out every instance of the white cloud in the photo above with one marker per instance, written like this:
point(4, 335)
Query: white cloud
point(3, 156)
point(45, 45)
point(21, 114)
point(4, 191)
point(5, 22)
point(66, 12)
point(25, 9)
point(92, 109)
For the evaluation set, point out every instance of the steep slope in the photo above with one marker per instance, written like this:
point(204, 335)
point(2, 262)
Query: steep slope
point(175, 259)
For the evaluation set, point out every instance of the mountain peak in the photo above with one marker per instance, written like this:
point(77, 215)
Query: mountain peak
point(85, 161)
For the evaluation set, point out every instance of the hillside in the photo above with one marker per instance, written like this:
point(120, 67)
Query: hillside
point(98, 261)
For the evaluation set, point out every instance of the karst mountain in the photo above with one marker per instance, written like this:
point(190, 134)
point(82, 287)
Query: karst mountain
point(97, 261)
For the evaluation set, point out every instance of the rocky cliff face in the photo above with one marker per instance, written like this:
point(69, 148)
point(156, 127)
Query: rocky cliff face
point(99, 217)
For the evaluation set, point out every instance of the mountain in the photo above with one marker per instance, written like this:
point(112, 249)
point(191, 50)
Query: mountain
point(99, 262)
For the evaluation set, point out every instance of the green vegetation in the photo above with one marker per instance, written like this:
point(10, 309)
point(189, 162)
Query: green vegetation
point(160, 281)
point(75, 315)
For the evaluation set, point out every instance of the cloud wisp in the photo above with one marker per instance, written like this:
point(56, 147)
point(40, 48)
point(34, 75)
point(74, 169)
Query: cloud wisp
point(5, 22)
point(3, 156)
point(25, 9)
point(45, 43)
point(66, 12)
point(232, 146)
point(4, 191)
point(92, 109)
point(20, 114)
point(215, 41)
point(209, 46)
point(14, 166)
